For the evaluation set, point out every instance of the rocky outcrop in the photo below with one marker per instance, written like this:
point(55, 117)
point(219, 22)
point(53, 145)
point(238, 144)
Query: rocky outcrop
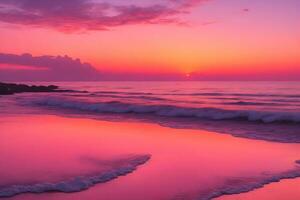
point(12, 88)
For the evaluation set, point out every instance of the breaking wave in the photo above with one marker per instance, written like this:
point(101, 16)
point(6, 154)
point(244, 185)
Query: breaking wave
point(243, 184)
point(171, 110)
point(204, 94)
point(78, 183)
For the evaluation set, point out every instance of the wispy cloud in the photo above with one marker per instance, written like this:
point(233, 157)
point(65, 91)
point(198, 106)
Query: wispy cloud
point(75, 15)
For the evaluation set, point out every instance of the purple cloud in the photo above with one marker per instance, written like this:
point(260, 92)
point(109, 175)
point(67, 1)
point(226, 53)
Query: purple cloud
point(45, 68)
point(75, 15)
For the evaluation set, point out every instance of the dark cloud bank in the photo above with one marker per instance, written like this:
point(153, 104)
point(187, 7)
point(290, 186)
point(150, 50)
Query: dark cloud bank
point(45, 68)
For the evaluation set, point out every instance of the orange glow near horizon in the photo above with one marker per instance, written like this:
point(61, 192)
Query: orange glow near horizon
point(254, 42)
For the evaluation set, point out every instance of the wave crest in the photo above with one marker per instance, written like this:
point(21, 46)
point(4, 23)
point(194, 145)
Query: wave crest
point(243, 185)
point(78, 183)
point(172, 110)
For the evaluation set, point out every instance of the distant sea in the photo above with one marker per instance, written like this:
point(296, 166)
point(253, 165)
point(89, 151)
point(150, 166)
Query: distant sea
point(259, 110)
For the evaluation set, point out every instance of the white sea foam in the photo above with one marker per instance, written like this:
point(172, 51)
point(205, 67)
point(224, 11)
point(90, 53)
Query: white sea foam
point(172, 111)
point(78, 183)
point(244, 184)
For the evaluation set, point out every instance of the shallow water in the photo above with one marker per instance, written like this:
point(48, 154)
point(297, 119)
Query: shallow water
point(283, 190)
point(152, 140)
point(184, 164)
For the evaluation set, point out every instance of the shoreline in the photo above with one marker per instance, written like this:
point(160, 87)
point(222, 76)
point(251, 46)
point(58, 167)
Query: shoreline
point(282, 190)
point(193, 169)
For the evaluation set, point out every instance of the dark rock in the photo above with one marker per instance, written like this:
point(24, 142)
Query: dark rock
point(5, 90)
point(52, 87)
point(12, 88)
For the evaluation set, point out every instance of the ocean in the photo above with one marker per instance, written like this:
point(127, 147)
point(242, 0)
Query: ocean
point(151, 140)
point(259, 110)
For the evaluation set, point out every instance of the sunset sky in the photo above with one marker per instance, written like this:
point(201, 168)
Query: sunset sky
point(150, 40)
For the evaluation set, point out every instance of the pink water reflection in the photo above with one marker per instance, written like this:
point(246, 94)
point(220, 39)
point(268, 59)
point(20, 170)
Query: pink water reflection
point(285, 189)
point(184, 165)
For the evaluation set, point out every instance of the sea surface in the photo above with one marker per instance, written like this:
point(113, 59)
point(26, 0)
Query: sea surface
point(152, 141)
point(258, 110)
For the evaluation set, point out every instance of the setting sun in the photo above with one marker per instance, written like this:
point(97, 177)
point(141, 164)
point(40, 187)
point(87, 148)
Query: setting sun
point(150, 99)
